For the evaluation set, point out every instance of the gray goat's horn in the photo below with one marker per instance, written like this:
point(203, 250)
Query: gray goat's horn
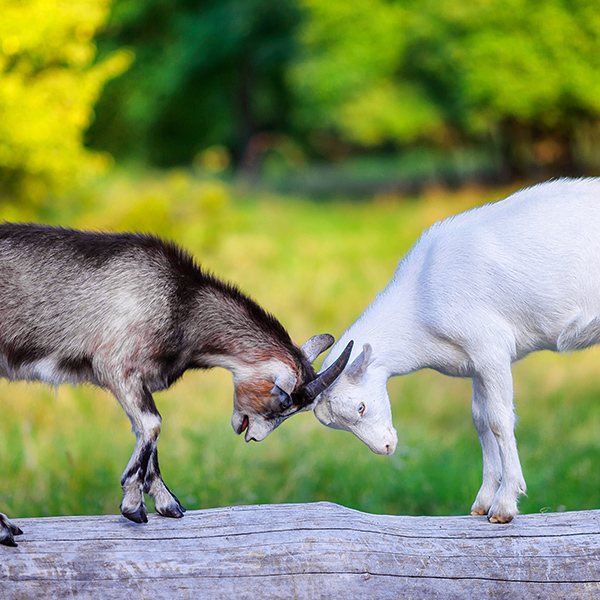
point(313, 388)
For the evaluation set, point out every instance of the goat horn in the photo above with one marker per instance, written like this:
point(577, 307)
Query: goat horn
point(313, 388)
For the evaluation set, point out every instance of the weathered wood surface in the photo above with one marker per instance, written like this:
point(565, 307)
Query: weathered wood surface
point(319, 550)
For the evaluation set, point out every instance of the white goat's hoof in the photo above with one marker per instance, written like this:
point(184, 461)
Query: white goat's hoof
point(500, 518)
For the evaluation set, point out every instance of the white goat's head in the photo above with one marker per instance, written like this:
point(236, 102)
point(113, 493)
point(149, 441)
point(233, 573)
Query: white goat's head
point(358, 402)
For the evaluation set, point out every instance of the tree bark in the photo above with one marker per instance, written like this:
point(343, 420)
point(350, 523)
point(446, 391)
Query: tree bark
point(305, 551)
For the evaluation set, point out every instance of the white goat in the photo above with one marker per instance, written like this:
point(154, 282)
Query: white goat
point(477, 292)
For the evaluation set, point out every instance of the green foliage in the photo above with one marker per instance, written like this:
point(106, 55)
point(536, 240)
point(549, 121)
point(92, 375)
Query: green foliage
point(48, 86)
point(336, 77)
point(346, 76)
point(521, 75)
point(207, 72)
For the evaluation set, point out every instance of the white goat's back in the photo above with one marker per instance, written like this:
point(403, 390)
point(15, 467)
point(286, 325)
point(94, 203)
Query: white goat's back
point(530, 262)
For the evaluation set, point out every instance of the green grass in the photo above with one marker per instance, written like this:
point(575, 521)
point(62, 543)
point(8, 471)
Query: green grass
point(316, 266)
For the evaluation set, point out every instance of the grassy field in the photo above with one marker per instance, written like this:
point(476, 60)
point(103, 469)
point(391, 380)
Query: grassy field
point(316, 266)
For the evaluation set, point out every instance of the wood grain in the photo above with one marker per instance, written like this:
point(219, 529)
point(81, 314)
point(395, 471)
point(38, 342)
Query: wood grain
point(319, 550)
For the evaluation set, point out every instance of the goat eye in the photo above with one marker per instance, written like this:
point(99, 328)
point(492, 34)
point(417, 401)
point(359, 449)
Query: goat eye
point(361, 409)
point(285, 403)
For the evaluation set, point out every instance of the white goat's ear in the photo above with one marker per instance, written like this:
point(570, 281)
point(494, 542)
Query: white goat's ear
point(359, 365)
point(317, 344)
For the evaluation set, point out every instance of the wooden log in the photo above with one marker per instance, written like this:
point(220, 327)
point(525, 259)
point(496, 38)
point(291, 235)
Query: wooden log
point(304, 551)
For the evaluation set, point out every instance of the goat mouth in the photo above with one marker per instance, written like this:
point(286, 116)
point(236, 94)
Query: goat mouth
point(245, 424)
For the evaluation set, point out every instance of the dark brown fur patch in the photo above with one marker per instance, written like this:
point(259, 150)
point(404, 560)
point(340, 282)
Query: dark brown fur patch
point(255, 396)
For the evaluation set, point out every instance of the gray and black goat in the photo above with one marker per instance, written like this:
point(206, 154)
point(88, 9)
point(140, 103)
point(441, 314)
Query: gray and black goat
point(130, 313)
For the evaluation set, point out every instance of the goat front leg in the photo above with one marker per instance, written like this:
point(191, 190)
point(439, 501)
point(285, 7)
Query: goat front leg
point(142, 473)
point(496, 401)
point(8, 530)
point(492, 464)
point(165, 502)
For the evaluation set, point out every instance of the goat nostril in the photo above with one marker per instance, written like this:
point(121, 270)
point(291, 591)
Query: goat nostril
point(387, 448)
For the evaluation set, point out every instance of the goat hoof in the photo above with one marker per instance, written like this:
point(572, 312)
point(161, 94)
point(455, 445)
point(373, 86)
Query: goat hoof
point(167, 504)
point(7, 531)
point(6, 537)
point(478, 512)
point(140, 515)
point(8, 540)
point(171, 509)
point(500, 518)
point(175, 511)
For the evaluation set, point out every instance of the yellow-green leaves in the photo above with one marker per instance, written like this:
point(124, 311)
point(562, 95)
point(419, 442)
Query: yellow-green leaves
point(48, 86)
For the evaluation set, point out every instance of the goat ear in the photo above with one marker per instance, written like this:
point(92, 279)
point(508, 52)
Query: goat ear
point(359, 365)
point(317, 344)
point(285, 400)
point(286, 383)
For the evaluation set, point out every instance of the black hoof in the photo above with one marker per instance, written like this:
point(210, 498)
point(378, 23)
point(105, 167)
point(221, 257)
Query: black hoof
point(7, 535)
point(139, 515)
point(174, 511)
point(8, 540)
point(172, 508)
point(7, 531)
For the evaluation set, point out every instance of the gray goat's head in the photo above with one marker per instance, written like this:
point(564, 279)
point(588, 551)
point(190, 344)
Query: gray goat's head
point(273, 390)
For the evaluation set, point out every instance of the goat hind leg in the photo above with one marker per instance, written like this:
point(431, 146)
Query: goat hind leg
point(8, 530)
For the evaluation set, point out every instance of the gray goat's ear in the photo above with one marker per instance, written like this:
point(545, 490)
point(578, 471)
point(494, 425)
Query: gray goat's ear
point(317, 344)
point(359, 365)
point(285, 383)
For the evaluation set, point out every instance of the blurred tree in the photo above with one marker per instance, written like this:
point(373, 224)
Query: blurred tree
point(48, 86)
point(520, 75)
point(349, 74)
point(207, 72)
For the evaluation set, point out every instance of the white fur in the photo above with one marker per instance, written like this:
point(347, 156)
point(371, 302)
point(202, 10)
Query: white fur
point(477, 292)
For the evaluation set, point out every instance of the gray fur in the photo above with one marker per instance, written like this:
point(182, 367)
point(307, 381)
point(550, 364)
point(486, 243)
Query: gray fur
point(130, 313)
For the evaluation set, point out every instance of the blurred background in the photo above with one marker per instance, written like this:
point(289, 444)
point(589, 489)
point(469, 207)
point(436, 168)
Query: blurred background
point(297, 148)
